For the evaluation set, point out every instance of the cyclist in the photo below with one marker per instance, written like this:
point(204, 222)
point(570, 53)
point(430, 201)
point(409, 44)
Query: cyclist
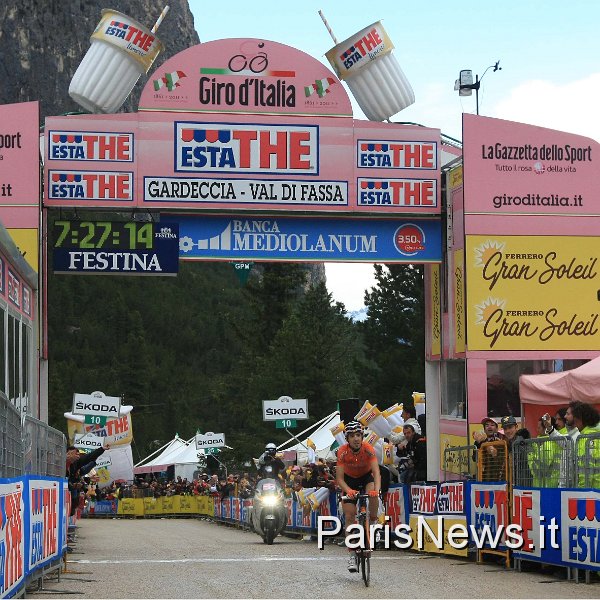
point(268, 457)
point(357, 472)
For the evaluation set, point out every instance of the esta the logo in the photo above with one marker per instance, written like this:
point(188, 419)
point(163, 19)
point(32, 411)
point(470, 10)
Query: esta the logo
point(397, 155)
point(90, 145)
point(240, 148)
point(131, 34)
point(397, 192)
point(366, 45)
point(87, 185)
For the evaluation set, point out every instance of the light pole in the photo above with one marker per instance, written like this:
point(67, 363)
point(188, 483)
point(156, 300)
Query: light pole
point(465, 86)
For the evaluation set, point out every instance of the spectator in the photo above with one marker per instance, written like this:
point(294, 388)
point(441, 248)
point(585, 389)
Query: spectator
point(488, 456)
point(585, 418)
point(543, 459)
point(415, 452)
point(408, 412)
point(77, 465)
point(512, 433)
point(571, 427)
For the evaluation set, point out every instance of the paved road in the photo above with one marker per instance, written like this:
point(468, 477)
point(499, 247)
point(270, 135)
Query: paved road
point(190, 558)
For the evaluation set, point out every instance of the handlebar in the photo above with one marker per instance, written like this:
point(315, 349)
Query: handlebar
point(361, 496)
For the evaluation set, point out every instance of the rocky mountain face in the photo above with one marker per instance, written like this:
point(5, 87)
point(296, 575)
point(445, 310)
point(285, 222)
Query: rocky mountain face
point(42, 43)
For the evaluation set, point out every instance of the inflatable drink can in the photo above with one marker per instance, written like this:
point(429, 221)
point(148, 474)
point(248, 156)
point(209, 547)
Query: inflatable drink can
point(121, 50)
point(366, 63)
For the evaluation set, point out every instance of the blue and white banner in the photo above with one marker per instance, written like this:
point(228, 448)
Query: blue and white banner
point(309, 239)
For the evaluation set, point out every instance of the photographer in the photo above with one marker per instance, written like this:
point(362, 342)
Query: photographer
point(268, 457)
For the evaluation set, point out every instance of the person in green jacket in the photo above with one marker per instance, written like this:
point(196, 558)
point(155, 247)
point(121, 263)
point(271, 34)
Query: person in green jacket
point(544, 459)
point(585, 418)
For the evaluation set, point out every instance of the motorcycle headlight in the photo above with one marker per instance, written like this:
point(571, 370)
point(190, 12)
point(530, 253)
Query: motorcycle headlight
point(269, 500)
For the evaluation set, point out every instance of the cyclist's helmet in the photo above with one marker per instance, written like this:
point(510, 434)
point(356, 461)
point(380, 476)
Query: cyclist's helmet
point(271, 448)
point(353, 427)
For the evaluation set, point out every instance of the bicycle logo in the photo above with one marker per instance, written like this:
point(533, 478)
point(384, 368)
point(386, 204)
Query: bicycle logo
point(257, 64)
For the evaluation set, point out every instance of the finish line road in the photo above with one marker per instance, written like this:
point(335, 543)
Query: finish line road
point(192, 558)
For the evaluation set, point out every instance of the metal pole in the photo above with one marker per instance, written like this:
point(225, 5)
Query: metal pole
point(290, 433)
point(477, 93)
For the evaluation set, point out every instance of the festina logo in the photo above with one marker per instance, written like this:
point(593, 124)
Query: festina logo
point(95, 408)
point(286, 412)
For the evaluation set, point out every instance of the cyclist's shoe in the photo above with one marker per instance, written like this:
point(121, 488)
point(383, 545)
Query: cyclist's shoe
point(352, 566)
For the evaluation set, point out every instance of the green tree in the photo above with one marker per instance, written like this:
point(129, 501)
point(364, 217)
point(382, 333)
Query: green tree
point(394, 335)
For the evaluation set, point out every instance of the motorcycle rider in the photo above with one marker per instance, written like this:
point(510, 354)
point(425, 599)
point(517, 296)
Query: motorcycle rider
point(268, 457)
point(357, 471)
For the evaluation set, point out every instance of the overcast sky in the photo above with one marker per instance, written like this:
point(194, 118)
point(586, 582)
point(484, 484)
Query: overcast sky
point(549, 53)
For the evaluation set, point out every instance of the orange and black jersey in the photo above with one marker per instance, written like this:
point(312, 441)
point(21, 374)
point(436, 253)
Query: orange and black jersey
point(356, 464)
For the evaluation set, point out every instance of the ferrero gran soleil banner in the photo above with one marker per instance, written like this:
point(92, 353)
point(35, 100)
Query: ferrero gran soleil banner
point(533, 292)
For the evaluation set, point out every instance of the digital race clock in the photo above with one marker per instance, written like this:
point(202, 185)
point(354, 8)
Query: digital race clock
point(128, 248)
point(100, 235)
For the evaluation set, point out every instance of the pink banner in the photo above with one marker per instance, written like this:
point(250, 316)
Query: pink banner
point(245, 76)
point(211, 134)
point(516, 169)
point(19, 165)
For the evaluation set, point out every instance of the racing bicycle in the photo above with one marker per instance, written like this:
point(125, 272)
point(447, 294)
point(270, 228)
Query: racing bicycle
point(363, 553)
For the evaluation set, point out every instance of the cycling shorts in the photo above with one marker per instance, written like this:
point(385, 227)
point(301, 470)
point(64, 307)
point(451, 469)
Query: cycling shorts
point(358, 483)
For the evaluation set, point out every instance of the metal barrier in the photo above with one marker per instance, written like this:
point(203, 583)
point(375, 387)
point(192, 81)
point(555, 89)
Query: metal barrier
point(44, 449)
point(587, 460)
point(11, 445)
point(544, 462)
point(29, 446)
point(460, 462)
point(492, 462)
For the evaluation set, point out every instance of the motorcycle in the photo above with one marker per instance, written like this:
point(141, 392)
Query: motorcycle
point(269, 515)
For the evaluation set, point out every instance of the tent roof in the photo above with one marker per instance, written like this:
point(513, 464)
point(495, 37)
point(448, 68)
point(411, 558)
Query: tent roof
point(321, 436)
point(582, 383)
point(164, 459)
point(187, 455)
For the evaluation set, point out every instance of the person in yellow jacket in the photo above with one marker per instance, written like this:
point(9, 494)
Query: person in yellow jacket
point(544, 459)
point(585, 418)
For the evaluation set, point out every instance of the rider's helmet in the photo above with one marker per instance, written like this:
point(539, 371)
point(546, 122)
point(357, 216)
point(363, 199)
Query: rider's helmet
point(353, 427)
point(271, 449)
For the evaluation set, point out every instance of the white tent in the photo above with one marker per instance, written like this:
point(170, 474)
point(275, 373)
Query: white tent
point(163, 460)
point(319, 434)
point(186, 462)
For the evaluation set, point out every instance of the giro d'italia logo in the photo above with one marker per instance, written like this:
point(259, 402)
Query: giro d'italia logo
point(409, 239)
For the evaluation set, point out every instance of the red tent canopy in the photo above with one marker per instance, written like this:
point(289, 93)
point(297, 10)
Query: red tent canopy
point(582, 383)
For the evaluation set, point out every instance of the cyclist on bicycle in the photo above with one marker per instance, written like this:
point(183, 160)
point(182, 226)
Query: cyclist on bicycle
point(357, 472)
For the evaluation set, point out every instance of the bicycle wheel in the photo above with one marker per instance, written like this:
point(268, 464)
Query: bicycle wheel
point(365, 567)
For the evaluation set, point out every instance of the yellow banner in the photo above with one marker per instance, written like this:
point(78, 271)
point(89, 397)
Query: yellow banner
point(428, 544)
point(533, 292)
point(435, 323)
point(133, 507)
point(455, 461)
point(455, 177)
point(27, 241)
point(459, 301)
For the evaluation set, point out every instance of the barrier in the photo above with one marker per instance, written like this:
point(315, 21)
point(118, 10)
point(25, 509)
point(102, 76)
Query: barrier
point(44, 449)
point(587, 460)
point(33, 529)
point(492, 462)
point(11, 445)
point(544, 463)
